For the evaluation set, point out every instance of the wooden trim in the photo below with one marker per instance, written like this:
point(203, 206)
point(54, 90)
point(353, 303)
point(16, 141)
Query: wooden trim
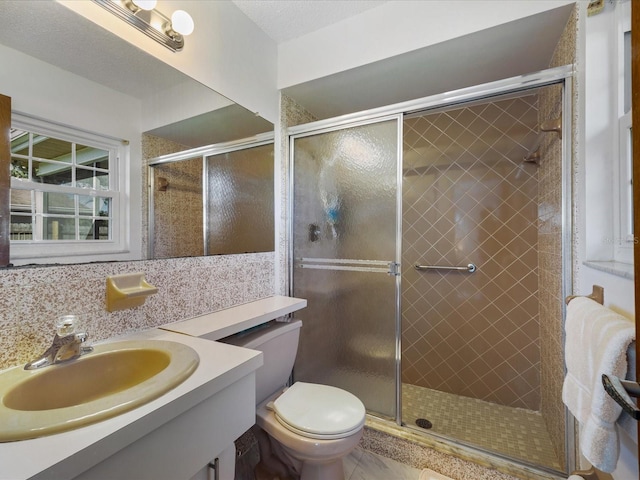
point(5, 178)
point(635, 113)
point(597, 295)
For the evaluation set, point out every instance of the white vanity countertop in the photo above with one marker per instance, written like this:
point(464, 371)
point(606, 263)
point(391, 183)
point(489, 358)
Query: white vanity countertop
point(67, 454)
point(220, 324)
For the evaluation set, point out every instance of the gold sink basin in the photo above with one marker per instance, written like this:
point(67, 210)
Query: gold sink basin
point(114, 378)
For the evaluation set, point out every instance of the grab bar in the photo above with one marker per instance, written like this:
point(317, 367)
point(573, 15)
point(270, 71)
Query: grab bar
point(469, 268)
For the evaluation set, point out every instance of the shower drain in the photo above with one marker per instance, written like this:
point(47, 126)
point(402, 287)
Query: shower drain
point(424, 423)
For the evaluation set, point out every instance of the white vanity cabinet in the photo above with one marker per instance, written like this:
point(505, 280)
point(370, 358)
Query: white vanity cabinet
point(183, 447)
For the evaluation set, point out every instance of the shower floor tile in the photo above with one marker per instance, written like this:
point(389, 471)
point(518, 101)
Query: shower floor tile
point(514, 432)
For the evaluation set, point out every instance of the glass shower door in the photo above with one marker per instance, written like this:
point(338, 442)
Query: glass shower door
point(345, 254)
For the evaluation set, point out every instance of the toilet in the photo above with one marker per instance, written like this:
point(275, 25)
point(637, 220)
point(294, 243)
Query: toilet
point(305, 430)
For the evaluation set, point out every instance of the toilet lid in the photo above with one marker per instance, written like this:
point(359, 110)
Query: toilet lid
point(319, 410)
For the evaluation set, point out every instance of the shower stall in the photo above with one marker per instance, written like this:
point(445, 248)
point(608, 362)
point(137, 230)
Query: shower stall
point(430, 240)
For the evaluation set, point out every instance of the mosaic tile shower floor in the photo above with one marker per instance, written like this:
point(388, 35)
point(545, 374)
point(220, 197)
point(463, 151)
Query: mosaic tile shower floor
point(515, 432)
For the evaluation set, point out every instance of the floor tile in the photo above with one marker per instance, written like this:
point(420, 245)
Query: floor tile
point(374, 467)
point(350, 462)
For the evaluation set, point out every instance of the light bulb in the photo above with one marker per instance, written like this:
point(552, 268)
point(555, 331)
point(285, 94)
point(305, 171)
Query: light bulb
point(182, 22)
point(145, 4)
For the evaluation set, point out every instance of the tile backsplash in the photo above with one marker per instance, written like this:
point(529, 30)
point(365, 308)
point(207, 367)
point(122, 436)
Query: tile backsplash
point(31, 298)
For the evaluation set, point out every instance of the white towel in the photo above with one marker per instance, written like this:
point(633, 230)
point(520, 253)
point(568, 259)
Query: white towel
point(597, 340)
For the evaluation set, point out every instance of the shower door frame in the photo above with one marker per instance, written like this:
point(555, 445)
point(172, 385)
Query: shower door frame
point(553, 76)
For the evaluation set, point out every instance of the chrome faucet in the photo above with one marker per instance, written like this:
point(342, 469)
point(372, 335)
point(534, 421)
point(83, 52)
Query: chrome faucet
point(66, 345)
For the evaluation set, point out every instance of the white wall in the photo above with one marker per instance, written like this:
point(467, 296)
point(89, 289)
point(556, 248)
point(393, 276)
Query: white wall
point(226, 52)
point(39, 89)
point(180, 102)
point(391, 29)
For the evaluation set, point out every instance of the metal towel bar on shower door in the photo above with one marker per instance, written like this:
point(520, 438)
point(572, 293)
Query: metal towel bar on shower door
point(469, 268)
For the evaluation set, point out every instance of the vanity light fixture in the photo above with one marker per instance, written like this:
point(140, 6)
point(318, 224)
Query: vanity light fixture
point(143, 15)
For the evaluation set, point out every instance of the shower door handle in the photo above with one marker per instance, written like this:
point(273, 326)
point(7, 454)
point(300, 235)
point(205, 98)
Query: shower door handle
point(351, 265)
point(469, 268)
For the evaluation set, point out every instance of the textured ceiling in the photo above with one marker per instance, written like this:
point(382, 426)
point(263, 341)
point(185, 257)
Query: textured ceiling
point(284, 20)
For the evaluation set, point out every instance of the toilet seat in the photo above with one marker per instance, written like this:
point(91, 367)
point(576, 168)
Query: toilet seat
point(319, 411)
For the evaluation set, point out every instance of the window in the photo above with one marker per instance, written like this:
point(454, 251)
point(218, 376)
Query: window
point(624, 202)
point(65, 191)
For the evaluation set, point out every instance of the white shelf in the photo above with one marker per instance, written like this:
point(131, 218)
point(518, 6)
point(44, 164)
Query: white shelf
point(221, 324)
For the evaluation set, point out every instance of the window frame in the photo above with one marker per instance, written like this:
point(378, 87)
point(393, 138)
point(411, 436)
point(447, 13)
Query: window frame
point(22, 251)
point(623, 180)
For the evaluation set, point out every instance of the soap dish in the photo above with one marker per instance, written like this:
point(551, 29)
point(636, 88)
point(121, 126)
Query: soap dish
point(128, 290)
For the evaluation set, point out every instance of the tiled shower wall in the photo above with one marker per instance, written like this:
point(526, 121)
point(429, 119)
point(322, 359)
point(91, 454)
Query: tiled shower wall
point(468, 197)
point(550, 254)
point(178, 226)
point(183, 185)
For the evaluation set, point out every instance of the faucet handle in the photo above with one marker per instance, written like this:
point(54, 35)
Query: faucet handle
point(66, 325)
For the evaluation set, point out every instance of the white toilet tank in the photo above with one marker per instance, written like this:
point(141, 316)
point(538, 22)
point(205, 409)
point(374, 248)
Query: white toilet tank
point(278, 342)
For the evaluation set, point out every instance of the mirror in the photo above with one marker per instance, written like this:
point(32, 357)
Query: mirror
point(213, 201)
point(164, 111)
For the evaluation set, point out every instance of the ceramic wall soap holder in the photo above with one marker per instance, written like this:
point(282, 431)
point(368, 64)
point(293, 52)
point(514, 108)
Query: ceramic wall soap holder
point(127, 291)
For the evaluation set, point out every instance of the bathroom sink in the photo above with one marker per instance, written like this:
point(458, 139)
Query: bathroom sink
point(114, 378)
